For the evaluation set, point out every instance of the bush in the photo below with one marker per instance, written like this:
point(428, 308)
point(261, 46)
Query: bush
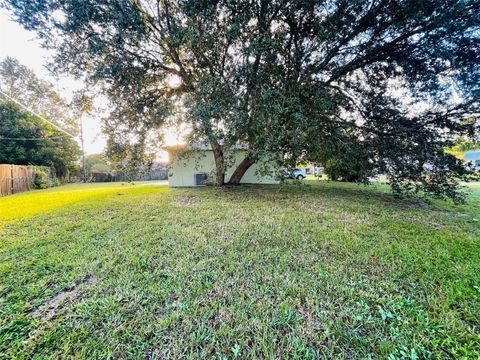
point(41, 180)
point(345, 159)
point(343, 156)
point(44, 178)
point(347, 167)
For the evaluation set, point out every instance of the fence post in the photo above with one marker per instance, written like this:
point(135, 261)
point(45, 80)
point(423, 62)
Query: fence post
point(12, 180)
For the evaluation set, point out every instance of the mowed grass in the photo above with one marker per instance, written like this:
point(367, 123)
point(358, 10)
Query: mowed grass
point(321, 270)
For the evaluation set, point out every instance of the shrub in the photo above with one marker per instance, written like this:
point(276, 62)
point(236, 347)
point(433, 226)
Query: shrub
point(41, 179)
point(347, 166)
point(346, 159)
point(44, 178)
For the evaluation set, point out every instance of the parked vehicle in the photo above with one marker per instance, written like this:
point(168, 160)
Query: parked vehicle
point(296, 173)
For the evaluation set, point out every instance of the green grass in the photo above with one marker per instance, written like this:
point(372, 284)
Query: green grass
point(322, 270)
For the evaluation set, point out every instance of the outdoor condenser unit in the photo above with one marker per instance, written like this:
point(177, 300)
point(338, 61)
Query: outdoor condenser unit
point(199, 178)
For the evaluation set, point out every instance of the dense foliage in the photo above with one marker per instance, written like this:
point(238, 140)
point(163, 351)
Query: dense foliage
point(44, 177)
point(22, 84)
point(127, 156)
point(344, 159)
point(400, 76)
point(96, 163)
point(27, 140)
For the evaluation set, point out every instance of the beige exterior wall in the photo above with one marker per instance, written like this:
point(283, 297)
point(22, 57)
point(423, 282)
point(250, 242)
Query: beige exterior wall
point(184, 165)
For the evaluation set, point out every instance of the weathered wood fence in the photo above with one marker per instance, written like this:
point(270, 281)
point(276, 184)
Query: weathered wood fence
point(15, 179)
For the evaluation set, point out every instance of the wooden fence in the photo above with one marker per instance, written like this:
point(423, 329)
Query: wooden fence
point(15, 179)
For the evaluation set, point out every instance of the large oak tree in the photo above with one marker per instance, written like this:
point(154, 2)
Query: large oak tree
point(397, 79)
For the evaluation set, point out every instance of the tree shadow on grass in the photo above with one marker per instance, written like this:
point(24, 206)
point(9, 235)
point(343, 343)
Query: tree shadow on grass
point(342, 193)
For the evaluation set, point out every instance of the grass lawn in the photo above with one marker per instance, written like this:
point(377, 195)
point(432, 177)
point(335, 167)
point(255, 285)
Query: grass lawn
point(322, 270)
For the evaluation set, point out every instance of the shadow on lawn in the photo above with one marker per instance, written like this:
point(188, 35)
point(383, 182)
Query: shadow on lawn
point(362, 195)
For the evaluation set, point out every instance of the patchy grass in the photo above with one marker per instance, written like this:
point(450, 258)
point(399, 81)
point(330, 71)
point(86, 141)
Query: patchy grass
point(309, 271)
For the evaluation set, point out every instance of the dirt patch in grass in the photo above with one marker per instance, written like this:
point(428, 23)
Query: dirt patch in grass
point(184, 201)
point(70, 295)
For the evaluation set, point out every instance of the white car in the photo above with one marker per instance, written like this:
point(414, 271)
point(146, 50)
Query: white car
point(296, 173)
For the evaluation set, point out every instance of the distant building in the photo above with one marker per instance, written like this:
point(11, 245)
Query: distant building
point(309, 169)
point(472, 158)
point(312, 169)
point(195, 166)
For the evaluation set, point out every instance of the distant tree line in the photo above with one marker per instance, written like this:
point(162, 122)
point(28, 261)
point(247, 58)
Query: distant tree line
point(101, 169)
point(25, 139)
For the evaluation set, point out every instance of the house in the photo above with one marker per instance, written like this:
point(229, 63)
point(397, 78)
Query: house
point(309, 169)
point(312, 169)
point(473, 159)
point(195, 166)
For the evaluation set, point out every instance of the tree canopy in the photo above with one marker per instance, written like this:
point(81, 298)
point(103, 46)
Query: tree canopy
point(22, 84)
point(398, 79)
point(97, 163)
point(27, 140)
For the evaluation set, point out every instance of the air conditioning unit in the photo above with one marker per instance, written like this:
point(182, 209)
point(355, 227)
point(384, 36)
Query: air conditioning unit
point(199, 178)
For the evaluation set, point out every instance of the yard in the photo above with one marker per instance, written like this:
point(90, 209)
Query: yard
point(291, 271)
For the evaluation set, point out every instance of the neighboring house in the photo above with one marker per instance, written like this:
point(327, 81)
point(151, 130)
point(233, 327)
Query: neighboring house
point(312, 169)
point(195, 166)
point(473, 158)
point(309, 169)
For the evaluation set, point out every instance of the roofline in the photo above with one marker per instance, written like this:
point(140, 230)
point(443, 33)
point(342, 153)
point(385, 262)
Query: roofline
point(174, 147)
point(186, 147)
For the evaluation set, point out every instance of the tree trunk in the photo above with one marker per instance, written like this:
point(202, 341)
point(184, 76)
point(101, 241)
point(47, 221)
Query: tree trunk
point(219, 163)
point(241, 170)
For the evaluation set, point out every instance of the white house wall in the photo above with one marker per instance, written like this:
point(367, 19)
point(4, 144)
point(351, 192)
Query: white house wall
point(183, 167)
